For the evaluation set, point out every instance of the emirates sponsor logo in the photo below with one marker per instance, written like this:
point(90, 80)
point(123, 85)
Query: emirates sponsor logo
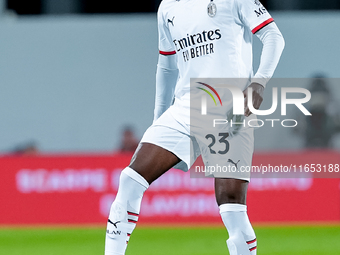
point(198, 44)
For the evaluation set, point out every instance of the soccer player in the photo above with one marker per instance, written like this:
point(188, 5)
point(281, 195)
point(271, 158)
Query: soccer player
point(198, 38)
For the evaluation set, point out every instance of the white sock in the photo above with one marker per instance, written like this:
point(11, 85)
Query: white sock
point(242, 239)
point(124, 211)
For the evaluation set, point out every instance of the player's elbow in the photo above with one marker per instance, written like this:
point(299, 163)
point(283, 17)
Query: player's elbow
point(167, 62)
point(278, 40)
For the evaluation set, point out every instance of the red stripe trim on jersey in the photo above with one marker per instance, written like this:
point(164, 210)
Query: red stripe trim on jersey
point(167, 52)
point(252, 248)
point(252, 241)
point(132, 221)
point(262, 25)
point(133, 214)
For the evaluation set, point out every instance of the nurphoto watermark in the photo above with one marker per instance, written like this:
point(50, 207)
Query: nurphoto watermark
point(223, 131)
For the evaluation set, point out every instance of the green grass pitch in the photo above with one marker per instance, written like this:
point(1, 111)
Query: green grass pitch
point(299, 240)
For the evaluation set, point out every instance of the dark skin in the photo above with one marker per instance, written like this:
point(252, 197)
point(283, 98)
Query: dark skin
point(257, 97)
point(152, 161)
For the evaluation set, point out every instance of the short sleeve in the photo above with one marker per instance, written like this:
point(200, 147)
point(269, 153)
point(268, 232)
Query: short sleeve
point(253, 14)
point(165, 44)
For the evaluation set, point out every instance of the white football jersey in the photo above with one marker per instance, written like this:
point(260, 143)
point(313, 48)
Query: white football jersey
point(211, 38)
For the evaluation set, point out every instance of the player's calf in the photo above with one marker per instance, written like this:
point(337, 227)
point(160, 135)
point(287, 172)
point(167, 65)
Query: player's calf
point(242, 239)
point(124, 211)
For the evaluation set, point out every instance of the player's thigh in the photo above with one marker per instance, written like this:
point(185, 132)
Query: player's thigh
point(151, 161)
point(230, 191)
point(233, 175)
point(226, 156)
point(165, 144)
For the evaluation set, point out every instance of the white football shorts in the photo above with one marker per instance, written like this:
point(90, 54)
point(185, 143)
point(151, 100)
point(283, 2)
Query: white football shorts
point(223, 156)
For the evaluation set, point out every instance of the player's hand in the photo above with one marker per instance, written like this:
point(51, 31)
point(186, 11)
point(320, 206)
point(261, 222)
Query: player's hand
point(257, 97)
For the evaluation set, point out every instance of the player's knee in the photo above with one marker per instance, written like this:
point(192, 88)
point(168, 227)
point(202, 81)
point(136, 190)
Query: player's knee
point(230, 198)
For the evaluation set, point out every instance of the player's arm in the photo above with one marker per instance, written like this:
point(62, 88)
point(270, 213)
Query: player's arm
point(166, 79)
point(273, 45)
point(167, 71)
point(252, 14)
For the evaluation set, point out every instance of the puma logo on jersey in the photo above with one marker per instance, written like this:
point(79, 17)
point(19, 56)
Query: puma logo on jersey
point(232, 162)
point(171, 21)
point(114, 224)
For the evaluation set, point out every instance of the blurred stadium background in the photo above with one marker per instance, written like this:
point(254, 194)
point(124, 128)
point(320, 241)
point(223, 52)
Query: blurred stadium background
point(76, 94)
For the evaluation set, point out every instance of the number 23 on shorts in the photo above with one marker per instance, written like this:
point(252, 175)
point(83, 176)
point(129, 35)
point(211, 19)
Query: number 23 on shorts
point(223, 139)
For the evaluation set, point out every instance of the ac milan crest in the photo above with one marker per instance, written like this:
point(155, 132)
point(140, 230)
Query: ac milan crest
point(212, 9)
